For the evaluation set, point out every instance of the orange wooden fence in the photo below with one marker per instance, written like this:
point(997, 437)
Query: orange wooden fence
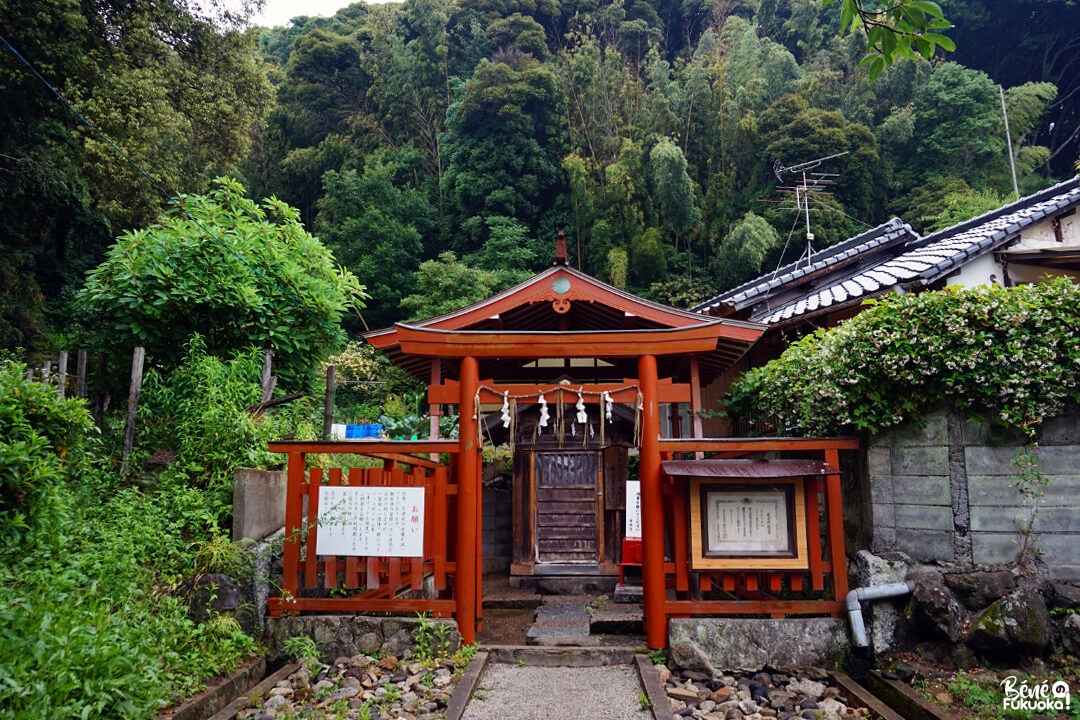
point(819, 590)
point(328, 583)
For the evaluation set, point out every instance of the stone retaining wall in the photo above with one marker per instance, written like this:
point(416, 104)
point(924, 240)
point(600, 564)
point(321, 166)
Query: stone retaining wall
point(947, 492)
point(343, 635)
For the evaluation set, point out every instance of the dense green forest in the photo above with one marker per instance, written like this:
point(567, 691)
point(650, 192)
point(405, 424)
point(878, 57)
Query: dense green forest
point(429, 139)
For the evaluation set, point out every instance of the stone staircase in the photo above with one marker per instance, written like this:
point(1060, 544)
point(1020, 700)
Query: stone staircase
point(581, 620)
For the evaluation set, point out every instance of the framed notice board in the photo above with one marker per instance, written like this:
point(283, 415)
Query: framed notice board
point(748, 524)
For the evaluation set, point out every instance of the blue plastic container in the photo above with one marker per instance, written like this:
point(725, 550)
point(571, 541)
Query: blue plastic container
point(375, 430)
point(354, 431)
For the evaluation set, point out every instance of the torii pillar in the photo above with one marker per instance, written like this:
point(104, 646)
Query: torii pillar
point(652, 508)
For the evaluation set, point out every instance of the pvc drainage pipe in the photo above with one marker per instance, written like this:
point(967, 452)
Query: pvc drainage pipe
point(874, 592)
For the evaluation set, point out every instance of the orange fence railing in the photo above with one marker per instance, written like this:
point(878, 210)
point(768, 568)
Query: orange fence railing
point(367, 583)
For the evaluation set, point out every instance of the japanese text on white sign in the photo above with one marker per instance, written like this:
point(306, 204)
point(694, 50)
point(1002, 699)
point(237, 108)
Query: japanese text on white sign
point(379, 521)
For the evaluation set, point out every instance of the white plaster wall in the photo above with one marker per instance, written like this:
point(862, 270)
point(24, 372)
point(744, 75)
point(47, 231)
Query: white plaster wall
point(1041, 235)
point(982, 270)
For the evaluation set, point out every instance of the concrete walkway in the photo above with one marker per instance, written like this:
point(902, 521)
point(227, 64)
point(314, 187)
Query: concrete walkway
point(544, 683)
point(579, 661)
point(510, 692)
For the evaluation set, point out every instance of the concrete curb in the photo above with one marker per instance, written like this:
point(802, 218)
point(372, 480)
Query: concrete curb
point(233, 709)
point(562, 656)
point(864, 696)
point(661, 708)
point(464, 689)
point(219, 694)
point(906, 701)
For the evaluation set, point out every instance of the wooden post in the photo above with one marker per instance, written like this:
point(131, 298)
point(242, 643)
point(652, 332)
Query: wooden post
point(834, 509)
point(137, 360)
point(434, 410)
point(328, 406)
point(466, 584)
point(80, 380)
point(294, 504)
point(268, 380)
point(62, 380)
point(101, 400)
point(652, 508)
point(696, 429)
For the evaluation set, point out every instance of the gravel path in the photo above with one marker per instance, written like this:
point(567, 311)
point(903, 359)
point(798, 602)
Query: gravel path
point(512, 692)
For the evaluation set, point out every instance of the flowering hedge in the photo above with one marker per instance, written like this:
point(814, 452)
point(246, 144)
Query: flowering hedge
point(1008, 356)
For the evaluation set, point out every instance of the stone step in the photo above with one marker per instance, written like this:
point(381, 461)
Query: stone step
point(561, 620)
point(617, 619)
point(629, 594)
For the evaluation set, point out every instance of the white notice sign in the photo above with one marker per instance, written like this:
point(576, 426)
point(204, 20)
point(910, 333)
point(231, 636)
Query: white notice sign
point(633, 508)
point(379, 521)
point(746, 522)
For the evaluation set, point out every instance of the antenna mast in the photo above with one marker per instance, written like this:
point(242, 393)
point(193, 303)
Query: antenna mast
point(809, 183)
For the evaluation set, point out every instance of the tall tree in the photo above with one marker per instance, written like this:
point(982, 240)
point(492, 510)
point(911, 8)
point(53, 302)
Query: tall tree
point(498, 142)
point(235, 272)
point(178, 91)
point(958, 125)
point(376, 230)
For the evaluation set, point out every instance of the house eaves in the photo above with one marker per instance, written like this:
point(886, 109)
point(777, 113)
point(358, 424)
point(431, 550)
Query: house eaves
point(929, 259)
point(890, 234)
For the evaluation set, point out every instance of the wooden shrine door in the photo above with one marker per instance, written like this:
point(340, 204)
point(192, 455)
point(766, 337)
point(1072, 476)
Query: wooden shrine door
point(567, 512)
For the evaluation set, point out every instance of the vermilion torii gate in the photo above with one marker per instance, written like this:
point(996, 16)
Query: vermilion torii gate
point(557, 326)
point(564, 332)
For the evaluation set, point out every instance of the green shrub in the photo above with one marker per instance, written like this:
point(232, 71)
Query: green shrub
point(1009, 356)
point(242, 274)
point(199, 411)
point(83, 635)
point(42, 438)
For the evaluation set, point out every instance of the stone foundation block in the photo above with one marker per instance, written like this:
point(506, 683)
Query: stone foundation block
point(711, 644)
point(342, 635)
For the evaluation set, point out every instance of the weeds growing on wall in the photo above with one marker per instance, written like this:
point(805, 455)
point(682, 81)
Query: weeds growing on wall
point(1009, 356)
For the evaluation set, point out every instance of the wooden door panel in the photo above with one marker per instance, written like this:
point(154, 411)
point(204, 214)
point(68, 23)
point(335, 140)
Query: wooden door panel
point(570, 533)
point(566, 507)
point(566, 494)
point(569, 507)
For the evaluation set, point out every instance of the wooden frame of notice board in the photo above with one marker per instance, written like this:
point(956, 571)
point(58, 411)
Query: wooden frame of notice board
point(748, 524)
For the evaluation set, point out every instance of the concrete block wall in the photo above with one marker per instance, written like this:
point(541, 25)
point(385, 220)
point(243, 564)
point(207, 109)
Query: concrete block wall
point(258, 503)
point(498, 530)
point(947, 492)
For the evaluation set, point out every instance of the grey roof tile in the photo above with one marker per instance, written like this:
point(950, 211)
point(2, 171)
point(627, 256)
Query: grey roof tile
point(926, 259)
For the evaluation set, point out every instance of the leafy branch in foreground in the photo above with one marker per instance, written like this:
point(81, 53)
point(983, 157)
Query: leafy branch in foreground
point(900, 28)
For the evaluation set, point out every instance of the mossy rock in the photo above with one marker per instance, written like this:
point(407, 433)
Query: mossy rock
point(1017, 624)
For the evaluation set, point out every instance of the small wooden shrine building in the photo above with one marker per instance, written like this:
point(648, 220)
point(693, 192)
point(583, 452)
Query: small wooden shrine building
point(573, 373)
point(580, 370)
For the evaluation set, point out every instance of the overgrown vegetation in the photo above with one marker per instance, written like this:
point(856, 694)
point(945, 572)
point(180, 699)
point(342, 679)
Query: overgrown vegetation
point(42, 442)
point(1009, 356)
point(94, 621)
point(91, 620)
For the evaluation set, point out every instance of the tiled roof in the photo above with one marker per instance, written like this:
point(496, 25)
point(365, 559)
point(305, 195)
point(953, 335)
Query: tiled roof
point(893, 232)
point(923, 261)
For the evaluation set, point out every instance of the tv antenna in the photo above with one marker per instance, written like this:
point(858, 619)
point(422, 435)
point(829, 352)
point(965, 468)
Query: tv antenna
point(807, 184)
